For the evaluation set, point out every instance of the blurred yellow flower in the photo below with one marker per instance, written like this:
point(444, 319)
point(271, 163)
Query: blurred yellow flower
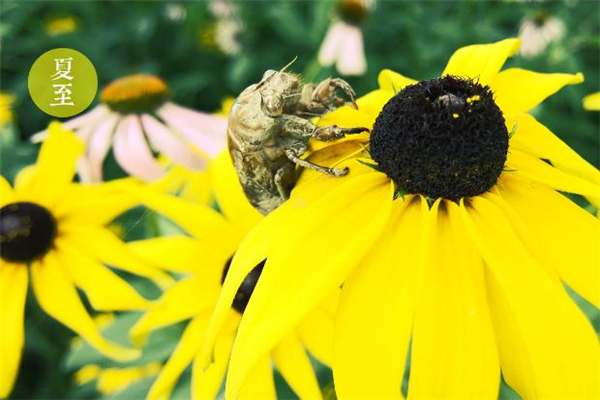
point(53, 232)
point(592, 102)
point(113, 380)
point(450, 238)
point(61, 25)
point(6, 113)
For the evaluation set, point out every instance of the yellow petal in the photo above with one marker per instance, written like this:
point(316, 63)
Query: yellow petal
point(547, 347)
point(518, 90)
point(294, 365)
point(105, 290)
point(537, 170)
point(454, 351)
point(57, 296)
point(200, 221)
point(260, 384)
point(115, 380)
point(535, 139)
point(206, 383)
point(13, 292)
point(568, 234)
point(7, 194)
point(316, 332)
point(184, 353)
point(346, 117)
point(230, 196)
point(56, 162)
point(592, 102)
point(393, 82)
point(481, 61)
point(372, 103)
point(376, 310)
point(182, 254)
point(185, 299)
point(311, 258)
point(103, 245)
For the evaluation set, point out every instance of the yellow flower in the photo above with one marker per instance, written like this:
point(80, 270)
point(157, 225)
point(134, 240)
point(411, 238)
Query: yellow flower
point(592, 102)
point(464, 268)
point(60, 26)
point(6, 113)
point(205, 258)
point(53, 231)
point(114, 380)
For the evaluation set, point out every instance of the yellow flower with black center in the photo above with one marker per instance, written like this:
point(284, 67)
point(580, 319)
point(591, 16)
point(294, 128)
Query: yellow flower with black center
point(205, 258)
point(53, 231)
point(450, 240)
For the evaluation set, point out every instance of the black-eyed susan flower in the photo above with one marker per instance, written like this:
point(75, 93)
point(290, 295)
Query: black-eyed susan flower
point(450, 239)
point(205, 259)
point(53, 235)
point(592, 102)
point(136, 118)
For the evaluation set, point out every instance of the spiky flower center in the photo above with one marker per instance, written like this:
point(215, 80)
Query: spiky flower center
point(442, 138)
point(353, 11)
point(27, 231)
point(138, 93)
point(242, 297)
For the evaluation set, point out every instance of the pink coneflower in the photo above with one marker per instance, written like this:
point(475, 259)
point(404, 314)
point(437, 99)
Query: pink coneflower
point(537, 32)
point(139, 121)
point(343, 44)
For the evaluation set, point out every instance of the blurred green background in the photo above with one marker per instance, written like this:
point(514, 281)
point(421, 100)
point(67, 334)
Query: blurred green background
point(179, 42)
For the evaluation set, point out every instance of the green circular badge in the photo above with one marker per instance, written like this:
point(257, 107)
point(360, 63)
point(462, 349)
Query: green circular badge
point(62, 82)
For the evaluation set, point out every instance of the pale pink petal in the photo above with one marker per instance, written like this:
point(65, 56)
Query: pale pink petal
point(330, 48)
point(352, 60)
point(169, 144)
point(88, 119)
point(207, 132)
point(132, 151)
point(99, 145)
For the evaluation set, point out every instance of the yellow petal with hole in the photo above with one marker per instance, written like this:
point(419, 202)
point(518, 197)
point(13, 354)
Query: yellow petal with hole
point(200, 221)
point(294, 365)
point(206, 383)
point(392, 81)
point(260, 383)
point(186, 299)
point(13, 292)
point(105, 290)
point(181, 254)
point(311, 258)
point(520, 163)
point(592, 102)
point(182, 356)
point(454, 353)
point(535, 139)
point(230, 196)
point(568, 234)
point(376, 310)
point(57, 296)
point(56, 162)
point(547, 347)
point(103, 245)
point(481, 62)
point(518, 90)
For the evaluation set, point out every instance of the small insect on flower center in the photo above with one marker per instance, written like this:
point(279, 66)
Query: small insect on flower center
point(136, 94)
point(443, 137)
point(242, 297)
point(27, 231)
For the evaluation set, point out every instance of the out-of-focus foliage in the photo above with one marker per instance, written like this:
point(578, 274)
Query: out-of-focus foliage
point(176, 41)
